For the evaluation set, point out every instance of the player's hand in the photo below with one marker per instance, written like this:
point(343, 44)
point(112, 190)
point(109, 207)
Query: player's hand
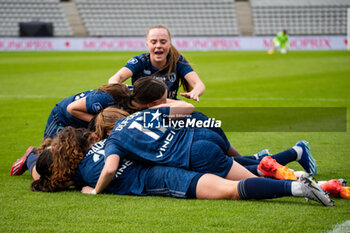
point(86, 190)
point(191, 95)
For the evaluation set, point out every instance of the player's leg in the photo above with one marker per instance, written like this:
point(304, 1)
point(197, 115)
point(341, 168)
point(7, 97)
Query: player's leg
point(210, 186)
point(27, 161)
point(300, 152)
point(238, 172)
point(213, 187)
point(264, 188)
point(276, 44)
point(283, 48)
point(304, 157)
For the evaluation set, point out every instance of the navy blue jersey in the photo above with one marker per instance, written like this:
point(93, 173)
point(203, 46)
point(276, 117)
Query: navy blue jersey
point(60, 117)
point(148, 137)
point(133, 178)
point(97, 101)
point(142, 137)
point(141, 66)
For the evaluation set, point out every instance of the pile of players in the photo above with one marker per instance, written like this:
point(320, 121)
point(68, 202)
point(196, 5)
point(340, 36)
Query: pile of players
point(98, 141)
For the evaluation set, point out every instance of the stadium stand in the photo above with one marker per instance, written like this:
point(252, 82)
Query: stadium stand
point(123, 18)
point(300, 17)
point(183, 17)
point(12, 12)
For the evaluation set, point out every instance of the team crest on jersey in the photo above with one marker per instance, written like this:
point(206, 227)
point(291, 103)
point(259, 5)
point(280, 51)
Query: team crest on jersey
point(132, 61)
point(97, 107)
point(172, 77)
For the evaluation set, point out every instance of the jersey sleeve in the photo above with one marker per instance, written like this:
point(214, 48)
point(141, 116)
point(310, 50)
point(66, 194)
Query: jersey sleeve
point(183, 67)
point(112, 148)
point(97, 101)
point(135, 65)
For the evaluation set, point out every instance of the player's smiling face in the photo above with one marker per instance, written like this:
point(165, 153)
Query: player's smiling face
point(158, 43)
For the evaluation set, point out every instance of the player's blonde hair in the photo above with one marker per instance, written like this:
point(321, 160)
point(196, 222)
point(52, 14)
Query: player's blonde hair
point(106, 119)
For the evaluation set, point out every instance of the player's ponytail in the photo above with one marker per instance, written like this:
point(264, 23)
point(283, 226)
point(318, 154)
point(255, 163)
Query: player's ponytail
point(174, 56)
point(106, 119)
point(119, 92)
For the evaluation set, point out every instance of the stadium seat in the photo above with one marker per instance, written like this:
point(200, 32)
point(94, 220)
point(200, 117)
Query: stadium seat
point(299, 17)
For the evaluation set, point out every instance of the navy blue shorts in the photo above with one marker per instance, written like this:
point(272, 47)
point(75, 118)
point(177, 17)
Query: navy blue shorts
point(170, 181)
point(208, 153)
point(201, 116)
point(53, 125)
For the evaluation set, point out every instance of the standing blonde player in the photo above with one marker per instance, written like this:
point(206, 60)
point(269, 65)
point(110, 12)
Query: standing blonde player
point(163, 62)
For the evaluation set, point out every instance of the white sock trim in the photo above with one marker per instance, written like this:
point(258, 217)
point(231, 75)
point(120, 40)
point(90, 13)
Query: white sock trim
point(296, 189)
point(299, 151)
point(260, 173)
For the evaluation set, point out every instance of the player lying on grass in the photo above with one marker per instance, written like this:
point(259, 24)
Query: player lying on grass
point(164, 62)
point(75, 111)
point(151, 89)
point(164, 142)
point(64, 163)
point(78, 110)
point(104, 123)
point(268, 166)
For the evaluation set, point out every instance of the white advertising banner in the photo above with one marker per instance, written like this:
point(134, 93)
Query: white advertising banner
point(181, 43)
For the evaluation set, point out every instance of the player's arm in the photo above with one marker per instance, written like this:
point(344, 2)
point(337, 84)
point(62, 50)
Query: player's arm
point(78, 109)
point(196, 84)
point(178, 108)
point(122, 75)
point(107, 174)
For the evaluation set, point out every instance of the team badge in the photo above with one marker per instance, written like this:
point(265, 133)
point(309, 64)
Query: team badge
point(97, 107)
point(132, 61)
point(172, 77)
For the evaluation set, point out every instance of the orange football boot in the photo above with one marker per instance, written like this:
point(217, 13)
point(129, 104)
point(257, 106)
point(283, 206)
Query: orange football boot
point(271, 168)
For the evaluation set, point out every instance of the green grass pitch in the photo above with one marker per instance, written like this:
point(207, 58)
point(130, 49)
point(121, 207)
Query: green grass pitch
point(32, 82)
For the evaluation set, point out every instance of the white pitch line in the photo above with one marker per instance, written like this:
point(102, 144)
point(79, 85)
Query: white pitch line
point(274, 99)
point(341, 228)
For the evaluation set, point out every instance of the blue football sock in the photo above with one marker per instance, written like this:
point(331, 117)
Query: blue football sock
point(264, 188)
point(252, 157)
point(246, 161)
point(253, 169)
point(285, 157)
point(31, 161)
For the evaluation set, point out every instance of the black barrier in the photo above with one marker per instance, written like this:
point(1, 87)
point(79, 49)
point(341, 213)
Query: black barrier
point(35, 29)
